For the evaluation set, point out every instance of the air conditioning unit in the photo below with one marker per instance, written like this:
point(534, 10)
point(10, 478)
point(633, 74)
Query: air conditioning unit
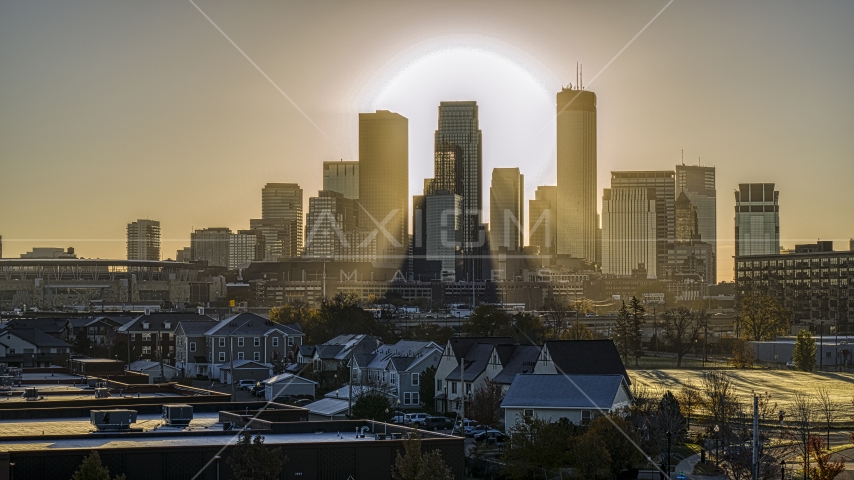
point(30, 394)
point(102, 393)
point(112, 419)
point(177, 414)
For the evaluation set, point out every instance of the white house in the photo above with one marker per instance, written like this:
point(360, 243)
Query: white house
point(152, 369)
point(288, 384)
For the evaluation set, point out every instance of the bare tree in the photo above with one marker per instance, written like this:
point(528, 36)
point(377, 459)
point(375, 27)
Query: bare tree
point(689, 400)
point(804, 409)
point(556, 318)
point(681, 327)
point(827, 408)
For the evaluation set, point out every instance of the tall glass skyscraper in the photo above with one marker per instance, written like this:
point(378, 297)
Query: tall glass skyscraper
point(342, 177)
point(459, 136)
point(757, 219)
point(507, 209)
point(576, 173)
point(698, 184)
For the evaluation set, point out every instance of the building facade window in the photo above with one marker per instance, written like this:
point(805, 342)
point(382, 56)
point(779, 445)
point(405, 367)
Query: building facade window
point(146, 350)
point(257, 356)
point(240, 355)
point(416, 379)
point(192, 346)
point(275, 341)
point(290, 341)
point(146, 337)
point(221, 356)
point(132, 337)
point(453, 387)
point(221, 341)
point(257, 342)
point(239, 341)
point(585, 417)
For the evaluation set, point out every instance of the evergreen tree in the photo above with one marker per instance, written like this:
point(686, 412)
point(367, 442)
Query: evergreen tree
point(373, 405)
point(92, 469)
point(623, 332)
point(251, 460)
point(636, 323)
point(82, 345)
point(804, 354)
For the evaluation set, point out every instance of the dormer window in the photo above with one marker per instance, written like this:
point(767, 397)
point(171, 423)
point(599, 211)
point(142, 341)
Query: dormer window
point(167, 325)
point(145, 325)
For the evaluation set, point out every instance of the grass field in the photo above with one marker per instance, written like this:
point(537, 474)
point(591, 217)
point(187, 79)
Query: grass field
point(781, 384)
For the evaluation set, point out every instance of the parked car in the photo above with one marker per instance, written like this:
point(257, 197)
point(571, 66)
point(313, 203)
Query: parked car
point(477, 430)
point(491, 435)
point(414, 419)
point(258, 390)
point(438, 423)
point(397, 419)
point(246, 384)
point(469, 426)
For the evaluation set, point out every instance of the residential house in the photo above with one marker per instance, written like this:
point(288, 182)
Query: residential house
point(581, 357)
point(244, 370)
point(156, 372)
point(251, 337)
point(463, 367)
point(334, 356)
point(28, 347)
point(191, 348)
point(578, 398)
point(100, 331)
point(55, 327)
point(152, 336)
point(397, 369)
point(288, 384)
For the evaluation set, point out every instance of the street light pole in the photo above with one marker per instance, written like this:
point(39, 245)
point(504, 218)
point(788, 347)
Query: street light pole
point(668, 454)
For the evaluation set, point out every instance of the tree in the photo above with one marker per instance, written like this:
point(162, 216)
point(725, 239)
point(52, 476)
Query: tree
point(487, 321)
point(373, 405)
point(590, 458)
point(636, 310)
point(252, 460)
point(825, 469)
point(619, 440)
point(82, 344)
point(485, 406)
point(622, 333)
point(743, 354)
point(628, 335)
point(556, 318)
point(528, 328)
point(427, 387)
point(804, 353)
point(762, 317)
point(680, 331)
point(429, 332)
point(417, 465)
point(802, 424)
point(92, 469)
point(577, 331)
point(582, 306)
point(537, 444)
point(827, 407)
point(719, 400)
point(689, 399)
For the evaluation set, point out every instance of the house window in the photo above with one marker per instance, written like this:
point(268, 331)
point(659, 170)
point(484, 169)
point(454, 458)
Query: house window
point(132, 337)
point(210, 356)
point(257, 342)
point(275, 341)
point(239, 341)
point(240, 355)
point(221, 341)
point(415, 379)
point(221, 356)
point(290, 341)
point(585, 417)
point(468, 388)
point(256, 356)
point(146, 337)
point(411, 398)
point(393, 379)
point(453, 387)
point(192, 346)
point(146, 350)
point(438, 385)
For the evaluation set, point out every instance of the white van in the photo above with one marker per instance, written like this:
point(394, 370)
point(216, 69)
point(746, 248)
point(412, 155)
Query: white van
point(469, 426)
point(414, 419)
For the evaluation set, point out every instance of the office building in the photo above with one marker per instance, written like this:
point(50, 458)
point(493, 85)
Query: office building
point(665, 210)
point(245, 247)
point(50, 252)
point(698, 184)
point(576, 173)
point(184, 255)
point(384, 183)
point(542, 220)
point(757, 220)
point(342, 177)
point(444, 224)
point(210, 245)
point(143, 240)
point(330, 217)
point(507, 209)
point(814, 282)
point(281, 220)
point(458, 149)
point(629, 231)
point(1, 246)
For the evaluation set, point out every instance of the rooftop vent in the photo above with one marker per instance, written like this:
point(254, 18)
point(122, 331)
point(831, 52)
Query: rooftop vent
point(112, 420)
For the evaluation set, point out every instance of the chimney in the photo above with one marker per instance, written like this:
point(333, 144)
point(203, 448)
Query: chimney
point(201, 310)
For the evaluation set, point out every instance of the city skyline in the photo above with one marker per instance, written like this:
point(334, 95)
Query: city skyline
point(768, 142)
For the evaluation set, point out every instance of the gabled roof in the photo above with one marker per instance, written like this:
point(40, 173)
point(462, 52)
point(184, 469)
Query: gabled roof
point(476, 360)
point(244, 364)
point(51, 326)
point(143, 365)
point(36, 337)
point(195, 328)
point(563, 391)
point(251, 324)
point(354, 344)
point(286, 377)
point(586, 357)
point(328, 351)
point(461, 345)
point(406, 348)
point(522, 360)
point(156, 321)
point(85, 322)
point(402, 363)
point(306, 350)
point(328, 407)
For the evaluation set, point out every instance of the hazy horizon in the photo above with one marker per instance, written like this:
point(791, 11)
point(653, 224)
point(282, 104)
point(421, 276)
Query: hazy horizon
point(116, 112)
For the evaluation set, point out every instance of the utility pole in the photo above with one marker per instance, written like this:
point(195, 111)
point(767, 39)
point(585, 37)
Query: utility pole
point(463, 396)
point(350, 396)
point(231, 365)
point(755, 465)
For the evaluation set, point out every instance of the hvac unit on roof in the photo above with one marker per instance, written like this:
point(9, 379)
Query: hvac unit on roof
point(177, 414)
point(112, 419)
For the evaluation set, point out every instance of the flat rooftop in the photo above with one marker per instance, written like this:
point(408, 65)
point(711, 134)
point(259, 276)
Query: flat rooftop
point(62, 393)
point(80, 426)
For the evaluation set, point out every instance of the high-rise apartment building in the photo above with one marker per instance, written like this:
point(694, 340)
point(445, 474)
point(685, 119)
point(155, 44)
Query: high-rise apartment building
point(576, 173)
point(281, 220)
point(757, 219)
point(50, 252)
point(331, 216)
point(507, 209)
point(698, 184)
point(211, 245)
point(384, 183)
point(629, 231)
point(184, 255)
point(1, 246)
point(542, 220)
point(458, 149)
point(244, 247)
point(143, 240)
point(444, 222)
point(342, 177)
point(665, 209)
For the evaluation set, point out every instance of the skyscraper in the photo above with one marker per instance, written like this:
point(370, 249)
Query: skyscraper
point(444, 219)
point(542, 219)
point(244, 247)
point(144, 240)
point(342, 177)
point(698, 183)
point(330, 217)
point(664, 183)
point(211, 245)
point(629, 230)
point(576, 173)
point(281, 220)
point(384, 183)
point(507, 209)
point(757, 219)
point(458, 147)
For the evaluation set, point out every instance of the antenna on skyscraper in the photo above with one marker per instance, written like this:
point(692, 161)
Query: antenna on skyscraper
point(683, 157)
point(576, 75)
point(581, 78)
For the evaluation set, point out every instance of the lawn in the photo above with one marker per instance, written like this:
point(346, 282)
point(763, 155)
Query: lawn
point(781, 384)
